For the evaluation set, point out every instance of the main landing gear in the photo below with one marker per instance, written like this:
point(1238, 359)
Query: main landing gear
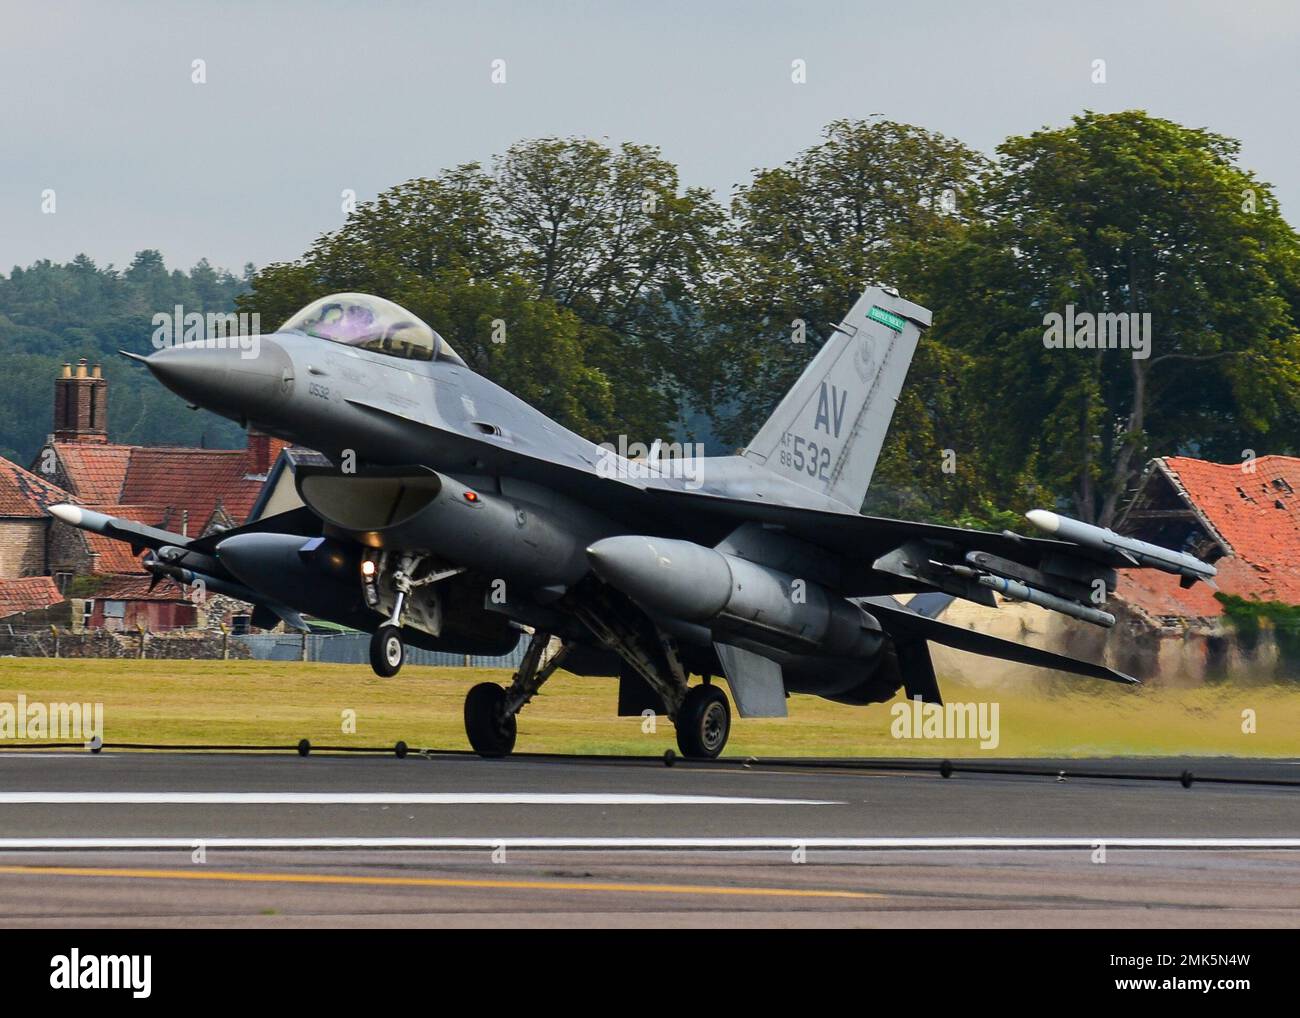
point(490, 710)
point(700, 714)
point(703, 722)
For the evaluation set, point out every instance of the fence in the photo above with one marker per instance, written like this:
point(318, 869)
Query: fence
point(354, 649)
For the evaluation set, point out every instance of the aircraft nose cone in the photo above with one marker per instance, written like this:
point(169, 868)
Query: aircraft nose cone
point(243, 378)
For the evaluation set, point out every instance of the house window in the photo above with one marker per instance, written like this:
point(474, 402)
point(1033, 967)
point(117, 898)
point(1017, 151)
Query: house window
point(62, 580)
point(114, 615)
point(239, 625)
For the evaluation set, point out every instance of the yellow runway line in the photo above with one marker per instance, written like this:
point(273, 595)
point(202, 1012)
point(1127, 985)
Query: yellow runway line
point(233, 876)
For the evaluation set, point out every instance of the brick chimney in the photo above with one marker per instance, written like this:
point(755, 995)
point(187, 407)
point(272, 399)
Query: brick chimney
point(80, 404)
point(263, 451)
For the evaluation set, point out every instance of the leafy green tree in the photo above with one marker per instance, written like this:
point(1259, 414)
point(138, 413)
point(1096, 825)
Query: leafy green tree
point(589, 258)
point(1117, 214)
point(805, 240)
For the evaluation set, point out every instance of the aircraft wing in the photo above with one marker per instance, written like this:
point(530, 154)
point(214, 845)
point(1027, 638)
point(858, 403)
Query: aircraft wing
point(878, 555)
point(874, 555)
point(870, 536)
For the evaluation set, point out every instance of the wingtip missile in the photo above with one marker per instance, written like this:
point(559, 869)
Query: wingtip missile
point(1139, 553)
point(138, 535)
point(78, 516)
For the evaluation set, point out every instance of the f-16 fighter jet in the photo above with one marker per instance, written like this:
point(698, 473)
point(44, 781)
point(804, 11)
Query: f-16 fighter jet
point(456, 517)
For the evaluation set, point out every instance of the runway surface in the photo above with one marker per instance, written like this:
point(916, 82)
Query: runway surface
point(232, 840)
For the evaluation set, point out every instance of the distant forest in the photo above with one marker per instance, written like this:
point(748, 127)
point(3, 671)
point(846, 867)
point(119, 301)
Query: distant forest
point(54, 314)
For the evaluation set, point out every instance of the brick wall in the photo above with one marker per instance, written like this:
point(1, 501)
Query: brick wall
point(22, 548)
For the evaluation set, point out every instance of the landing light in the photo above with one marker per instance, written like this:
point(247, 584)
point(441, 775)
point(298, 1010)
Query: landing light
point(368, 568)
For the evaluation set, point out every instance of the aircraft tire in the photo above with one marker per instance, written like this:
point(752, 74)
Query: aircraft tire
point(387, 651)
point(490, 730)
point(703, 723)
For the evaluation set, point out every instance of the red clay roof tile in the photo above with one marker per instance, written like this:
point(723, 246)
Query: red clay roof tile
point(31, 593)
point(25, 494)
point(136, 588)
point(176, 484)
point(1256, 513)
point(94, 472)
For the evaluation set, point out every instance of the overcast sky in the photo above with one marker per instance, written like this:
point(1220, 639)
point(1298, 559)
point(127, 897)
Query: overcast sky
point(305, 99)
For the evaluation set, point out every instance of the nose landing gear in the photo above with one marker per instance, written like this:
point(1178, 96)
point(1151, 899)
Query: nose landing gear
point(387, 651)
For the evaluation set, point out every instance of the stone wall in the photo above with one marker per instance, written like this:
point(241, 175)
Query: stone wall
point(190, 644)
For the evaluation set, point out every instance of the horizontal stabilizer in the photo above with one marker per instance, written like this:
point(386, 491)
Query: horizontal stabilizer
point(899, 620)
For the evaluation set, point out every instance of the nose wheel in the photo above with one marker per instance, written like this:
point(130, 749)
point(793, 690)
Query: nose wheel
point(387, 651)
point(703, 723)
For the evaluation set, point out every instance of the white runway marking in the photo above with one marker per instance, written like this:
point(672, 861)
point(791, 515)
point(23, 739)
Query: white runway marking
point(787, 842)
point(390, 799)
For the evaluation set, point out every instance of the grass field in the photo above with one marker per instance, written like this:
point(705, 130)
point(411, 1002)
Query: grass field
point(276, 703)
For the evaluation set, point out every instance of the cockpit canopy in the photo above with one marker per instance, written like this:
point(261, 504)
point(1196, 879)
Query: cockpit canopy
point(371, 323)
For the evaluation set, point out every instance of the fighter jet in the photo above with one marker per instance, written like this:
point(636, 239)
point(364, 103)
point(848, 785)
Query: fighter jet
point(457, 517)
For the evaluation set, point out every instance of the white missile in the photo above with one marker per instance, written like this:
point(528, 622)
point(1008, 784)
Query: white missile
point(1139, 553)
point(138, 534)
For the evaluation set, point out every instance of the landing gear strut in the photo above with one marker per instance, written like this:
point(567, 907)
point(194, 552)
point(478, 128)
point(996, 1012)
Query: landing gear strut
point(490, 710)
point(387, 651)
point(700, 713)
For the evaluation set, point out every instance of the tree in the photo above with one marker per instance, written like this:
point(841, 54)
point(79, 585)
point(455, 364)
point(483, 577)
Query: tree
point(584, 260)
point(51, 314)
point(1121, 214)
point(805, 240)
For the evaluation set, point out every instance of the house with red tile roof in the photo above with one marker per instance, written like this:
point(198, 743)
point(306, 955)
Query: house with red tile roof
point(190, 491)
point(1245, 517)
point(28, 594)
point(125, 603)
point(24, 497)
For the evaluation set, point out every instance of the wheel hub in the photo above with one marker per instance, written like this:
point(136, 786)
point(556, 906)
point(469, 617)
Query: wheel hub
point(714, 727)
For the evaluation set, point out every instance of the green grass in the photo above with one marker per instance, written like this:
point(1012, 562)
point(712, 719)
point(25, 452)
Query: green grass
point(278, 703)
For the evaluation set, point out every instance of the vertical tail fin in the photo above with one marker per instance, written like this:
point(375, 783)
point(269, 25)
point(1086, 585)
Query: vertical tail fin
point(827, 432)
